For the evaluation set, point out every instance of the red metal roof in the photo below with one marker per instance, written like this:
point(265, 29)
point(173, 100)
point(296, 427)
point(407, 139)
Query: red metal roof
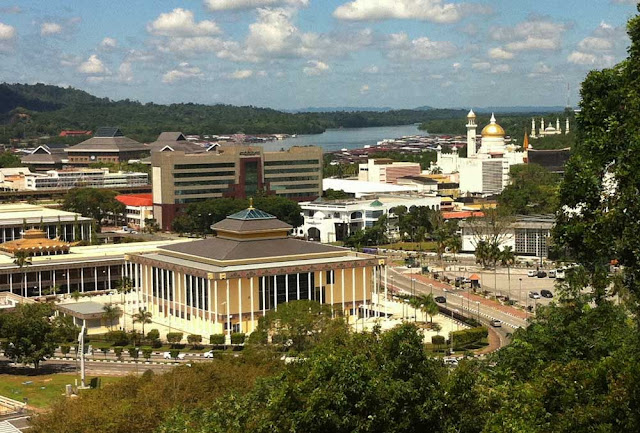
point(135, 199)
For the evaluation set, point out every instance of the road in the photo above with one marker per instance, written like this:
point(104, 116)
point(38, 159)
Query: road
point(463, 303)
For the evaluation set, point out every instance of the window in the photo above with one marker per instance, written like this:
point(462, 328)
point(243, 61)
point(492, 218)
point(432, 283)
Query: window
point(204, 174)
point(212, 165)
point(251, 177)
point(296, 162)
point(330, 277)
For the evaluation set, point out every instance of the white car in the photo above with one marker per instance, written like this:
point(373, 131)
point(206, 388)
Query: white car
point(208, 354)
point(496, 323)
point(534, 295)
point(532, 273)
point(167, 355)
point(453, 362)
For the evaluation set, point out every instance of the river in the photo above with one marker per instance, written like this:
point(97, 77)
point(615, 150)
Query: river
point(348, 138)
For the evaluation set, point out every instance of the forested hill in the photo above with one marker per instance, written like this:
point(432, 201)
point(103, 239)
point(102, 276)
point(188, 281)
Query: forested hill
point(46, 110)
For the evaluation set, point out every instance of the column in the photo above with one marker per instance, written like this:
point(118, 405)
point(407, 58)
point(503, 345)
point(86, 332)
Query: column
point(95, 282)
point(109, 277)
point(39, 283)
point(253, 323)
point(174, 297)
point(353, 290)
point(68, 282)
point(162, 293)
point(309, 283)
point(264, 296)
point(286, 288)
point(275, 293)
point(53, 278)
point(11, 283)
point(333, 286)
point(210, 325)
point(375, 289)
point(342, 290)
point(228, 314)
point(364, 290)
point(240, 303)
point(386, 291)
point(82, 279)
point(298, 285)
point(320, 294)
point(191, 294)
point(215, 299)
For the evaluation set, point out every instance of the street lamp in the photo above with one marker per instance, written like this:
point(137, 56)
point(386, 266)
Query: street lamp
point(520, 294)
point(413, 294)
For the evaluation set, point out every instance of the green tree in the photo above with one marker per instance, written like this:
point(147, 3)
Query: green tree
point(174, 338)
point(532, 189)
point(29, 334)
point(110, 313)
point(143, 317)
point(22, 259)
point(8, 160)
point(194, 340)
point(95, 203)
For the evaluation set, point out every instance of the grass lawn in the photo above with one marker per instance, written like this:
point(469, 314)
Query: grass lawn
point(43, 389)
point(411, 246)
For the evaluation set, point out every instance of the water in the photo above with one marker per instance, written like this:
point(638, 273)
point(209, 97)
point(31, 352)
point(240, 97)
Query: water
point(348, 138)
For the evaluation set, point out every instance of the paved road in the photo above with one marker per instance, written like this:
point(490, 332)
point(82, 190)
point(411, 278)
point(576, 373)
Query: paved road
point(485, 311)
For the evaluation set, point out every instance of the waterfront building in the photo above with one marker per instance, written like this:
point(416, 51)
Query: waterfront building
point(383, 170)
point(109, 145)
point(485, 170)
point(17, 218)
point(180, 177)
point(226, 283)
point(331, 221)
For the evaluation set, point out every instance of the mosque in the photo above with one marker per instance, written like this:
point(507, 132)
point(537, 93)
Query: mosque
point(549, 130)
point(485, 170)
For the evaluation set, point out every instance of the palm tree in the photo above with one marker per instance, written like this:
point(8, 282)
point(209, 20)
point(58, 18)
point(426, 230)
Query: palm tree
point(22, 259)
point(123, 286)
point(111, 312)
point(142, 316)
point(429, 306)
point(508, 259)
point(75, 295)
point(416, 303)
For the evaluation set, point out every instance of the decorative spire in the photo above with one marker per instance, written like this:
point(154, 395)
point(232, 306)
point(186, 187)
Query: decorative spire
point(525, 142)
point(493, 118)
point(250, 202)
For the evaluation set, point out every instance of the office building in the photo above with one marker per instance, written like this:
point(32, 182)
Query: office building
point(180, 177)
point(226, 283)
point(108, 145)
point(382, 170)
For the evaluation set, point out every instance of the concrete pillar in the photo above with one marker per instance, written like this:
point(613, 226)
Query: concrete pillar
point(343, 309)
point(228, 315)
point(253, 322)
point(39, 283)
point(275, 293)
point(240, 303)
point(215, 300)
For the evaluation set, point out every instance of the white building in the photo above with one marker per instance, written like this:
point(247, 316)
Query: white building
point(528, 235)
point(549, 129)
point(484, 171)
point(138, 207)
point(73, 178)
point(331, 221)
point(386, 171)
point(360, 188)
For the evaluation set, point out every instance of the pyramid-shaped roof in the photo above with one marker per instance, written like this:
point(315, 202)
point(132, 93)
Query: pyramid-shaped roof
point(250, 220)
point(251, 213)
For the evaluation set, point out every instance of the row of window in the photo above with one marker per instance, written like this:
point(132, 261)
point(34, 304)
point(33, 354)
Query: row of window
point(289, 187)
point(291, 170)
point(205, 174)
point(211, 165)
point(294, 162)
point(200, 191)
point(204, 182)
point(291, 179)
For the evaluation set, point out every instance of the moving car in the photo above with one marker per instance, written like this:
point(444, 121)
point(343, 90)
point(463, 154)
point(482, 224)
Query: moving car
point(542, 274)
point(208, 354)
point(531, 273)
point(167, 355)
point(453, 362)
point(552, 273)
point(546, 293)
point(440, 299)
point(534, 295)
point(496, 323)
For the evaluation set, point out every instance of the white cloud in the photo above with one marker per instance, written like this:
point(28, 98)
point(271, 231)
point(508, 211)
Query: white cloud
point(540, 69)
point(595, 44)
point(184, 71)
point(47, 29)
point(481, 66)
point(373, 69)
point(532, 34)
point(500, 69)
point(456, 66)
point(581, 58)
point(364, 89)
point(125, 73)
point(108, 43)
point(7, 32)
point(241, 74)
point(601, 48)
point(92, 66)
point(181, 23)
point(399, 46)
point(499, 53)
point(315, 67)
point(222, 5)
point(425, 10)
point(488, 67)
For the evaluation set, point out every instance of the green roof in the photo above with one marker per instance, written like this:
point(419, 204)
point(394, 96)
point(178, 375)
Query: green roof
point(376, 203)
point(251, 214)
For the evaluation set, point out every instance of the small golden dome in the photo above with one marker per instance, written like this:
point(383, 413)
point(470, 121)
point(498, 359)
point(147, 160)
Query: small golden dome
point(493, 129)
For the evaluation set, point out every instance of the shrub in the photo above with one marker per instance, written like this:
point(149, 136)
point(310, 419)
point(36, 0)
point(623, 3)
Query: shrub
point(156, 344)
point(146, 353)
point(152, 335)
point(118, 338)
point(194, 339)
point(437, 340)
point(216, 339)
point(237, 338)
point(65, 349)
point(174, 337)
point(104, 351)
point(134, 352)
point(468, 336)
point(118, 351)
point(174, 353)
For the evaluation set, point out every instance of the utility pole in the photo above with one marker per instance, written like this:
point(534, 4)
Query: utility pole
point(83, 385)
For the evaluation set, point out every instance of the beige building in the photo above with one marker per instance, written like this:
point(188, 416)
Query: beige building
point(184, 176)
point(226, 283)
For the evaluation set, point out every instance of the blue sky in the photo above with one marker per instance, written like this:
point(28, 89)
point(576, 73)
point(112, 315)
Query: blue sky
point(299, 53)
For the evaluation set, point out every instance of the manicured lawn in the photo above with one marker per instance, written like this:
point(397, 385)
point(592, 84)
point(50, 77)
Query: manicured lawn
point(411, 246)
point(42, 389)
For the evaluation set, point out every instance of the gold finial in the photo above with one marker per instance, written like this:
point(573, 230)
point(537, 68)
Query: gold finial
point(250, 202)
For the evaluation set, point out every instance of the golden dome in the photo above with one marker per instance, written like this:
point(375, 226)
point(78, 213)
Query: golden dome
point(493, 129)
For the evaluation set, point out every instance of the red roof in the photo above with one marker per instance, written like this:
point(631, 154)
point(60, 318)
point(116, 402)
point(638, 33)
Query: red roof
point(461, 215)
point(135, 199)
point(474, 277)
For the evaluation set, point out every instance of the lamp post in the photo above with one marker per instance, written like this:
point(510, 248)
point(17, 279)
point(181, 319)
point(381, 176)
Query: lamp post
point(413, 294)
point(520, 294)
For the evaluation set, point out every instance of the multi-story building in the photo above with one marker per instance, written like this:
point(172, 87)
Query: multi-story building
point(84, 177)
point(180, 177)
point(17, 218)
point(331, 221)
point(46, 157)
point(226, 283)
point(108, 144)
point(384, 170)
point(138, 209)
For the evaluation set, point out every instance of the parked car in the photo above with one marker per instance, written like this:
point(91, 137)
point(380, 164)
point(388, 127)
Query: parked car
point(542, 274)
point(560, 273)
point(496, 323)
point(534, 295)
point(440, 299)
point(546, 293)
point(208, 354)
point(552, 273)
point(453, 362)
point(531, 273)
point(167, 355)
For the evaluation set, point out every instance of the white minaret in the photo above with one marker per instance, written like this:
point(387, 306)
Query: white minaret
point(533, 128)
point(542, 127)
point(558, 131)
point(471, 133)
point(566, 126)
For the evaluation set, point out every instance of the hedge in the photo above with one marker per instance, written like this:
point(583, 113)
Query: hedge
point(468, 336)
point(438, 340)
point(237, 338)
point(216, 339)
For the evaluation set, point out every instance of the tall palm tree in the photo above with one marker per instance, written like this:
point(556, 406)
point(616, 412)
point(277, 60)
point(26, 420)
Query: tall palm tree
point(429, 306)
point(124, 286)
point(22, 259)
point(110, 313)
point(142, 316)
